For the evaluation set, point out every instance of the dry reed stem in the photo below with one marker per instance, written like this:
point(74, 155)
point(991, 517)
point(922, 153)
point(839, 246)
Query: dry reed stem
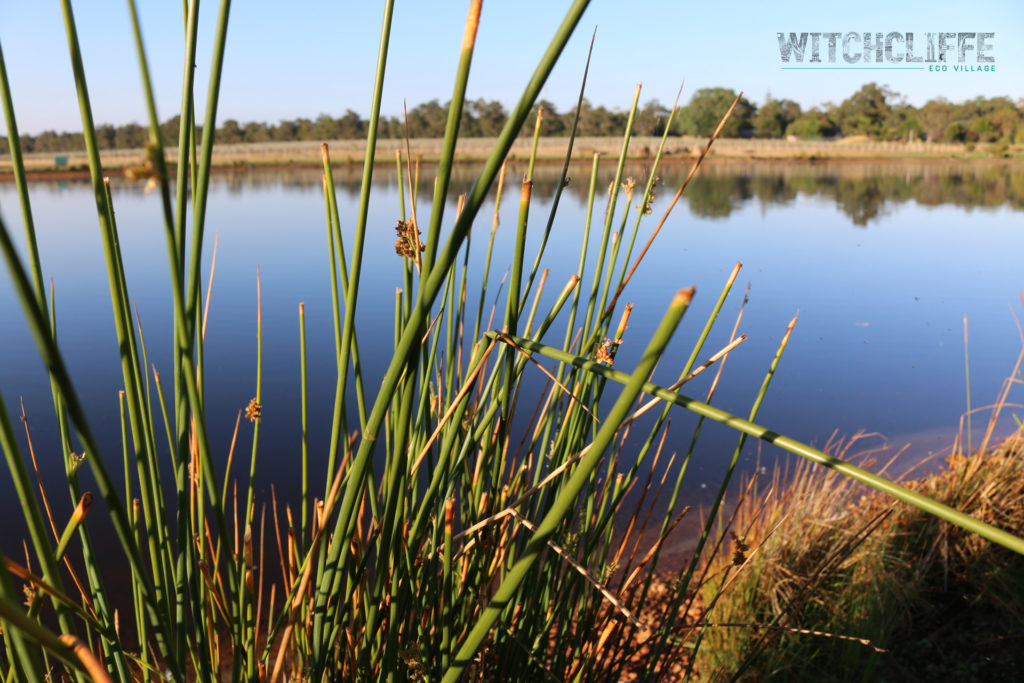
point(650, 512)
point(466, 388)
point(25, 574)
point(328, 509)
point(214, 590)
point(35, 467)
point(610, 627)
point(277, 534)
point(672, 204)
point(701, 368)
point(86, 600)
point(1001, 402)
point(87, 658)
point(593, 580)
point(643, 497)
point(529, 356)
point(430, 327)
point(209, 285)
point(536, 300)
point(802, 631)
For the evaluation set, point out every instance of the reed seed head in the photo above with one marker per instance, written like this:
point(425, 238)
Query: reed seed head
point(75, 461)
point(739, 549)
point(254, 410)
point(603, 352)
point(30, 594)
point(408, 243)
point(629, 187)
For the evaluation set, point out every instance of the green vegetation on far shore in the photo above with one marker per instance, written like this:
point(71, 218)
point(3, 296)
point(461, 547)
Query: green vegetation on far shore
point(873, 112)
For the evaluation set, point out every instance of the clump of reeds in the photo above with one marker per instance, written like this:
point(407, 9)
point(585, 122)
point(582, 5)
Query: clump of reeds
point(828, 581)
point(441, 541)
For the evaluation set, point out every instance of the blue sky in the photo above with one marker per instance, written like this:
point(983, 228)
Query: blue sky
point(286, 60)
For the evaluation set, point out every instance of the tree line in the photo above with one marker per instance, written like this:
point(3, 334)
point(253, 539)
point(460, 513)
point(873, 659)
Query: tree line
point(874, 111)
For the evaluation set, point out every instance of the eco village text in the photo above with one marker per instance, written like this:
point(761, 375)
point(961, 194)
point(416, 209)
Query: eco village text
point(893, 47)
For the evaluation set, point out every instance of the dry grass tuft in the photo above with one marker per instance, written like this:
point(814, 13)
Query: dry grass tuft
point(839, 585)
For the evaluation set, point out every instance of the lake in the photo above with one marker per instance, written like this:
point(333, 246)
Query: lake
point(882, 261)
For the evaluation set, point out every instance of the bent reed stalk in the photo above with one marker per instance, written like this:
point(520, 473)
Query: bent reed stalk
point(481, 549)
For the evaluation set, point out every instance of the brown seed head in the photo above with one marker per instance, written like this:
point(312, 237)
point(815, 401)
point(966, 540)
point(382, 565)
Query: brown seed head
point(603, 352)
point(629, 187)
point(408, 239)
point(253, 411)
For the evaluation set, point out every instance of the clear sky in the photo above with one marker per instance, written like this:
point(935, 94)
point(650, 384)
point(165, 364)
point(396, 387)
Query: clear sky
point(302, 58)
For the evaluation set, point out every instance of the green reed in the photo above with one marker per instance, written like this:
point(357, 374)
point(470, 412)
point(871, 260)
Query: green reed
point(451, 541)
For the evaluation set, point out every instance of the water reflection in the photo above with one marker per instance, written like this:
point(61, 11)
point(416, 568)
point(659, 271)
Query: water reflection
point(862, 191)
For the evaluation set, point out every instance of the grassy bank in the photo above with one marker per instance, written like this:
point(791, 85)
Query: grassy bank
point(827, 581)
point(352, 152)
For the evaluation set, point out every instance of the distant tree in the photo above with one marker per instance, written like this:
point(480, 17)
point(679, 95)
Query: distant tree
point(230, 132)
point(934, 117)
point(812, 125)
point(350, 126)
point(427, 120)
point(1007, 121)
point(955, 132)
point(105, 136)
point(256, 132)
point(650, 119)
point(45, 142)
point(774, 116)
point(552, 123)
point(391, 127)
point(707, 107)
point(325, 128)
point(130, 136)
point(285, 131)
point(866, 111)
point(984, 129)
point(169, 131)
point(469, 126)
point(903, 124)
point(304, 130)
point(988, 119)
point(490, 116)
point(600, 121)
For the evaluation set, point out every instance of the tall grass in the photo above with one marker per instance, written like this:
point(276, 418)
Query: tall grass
point(444, 540)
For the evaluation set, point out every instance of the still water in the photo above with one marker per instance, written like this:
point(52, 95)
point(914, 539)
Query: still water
point(881, 261)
